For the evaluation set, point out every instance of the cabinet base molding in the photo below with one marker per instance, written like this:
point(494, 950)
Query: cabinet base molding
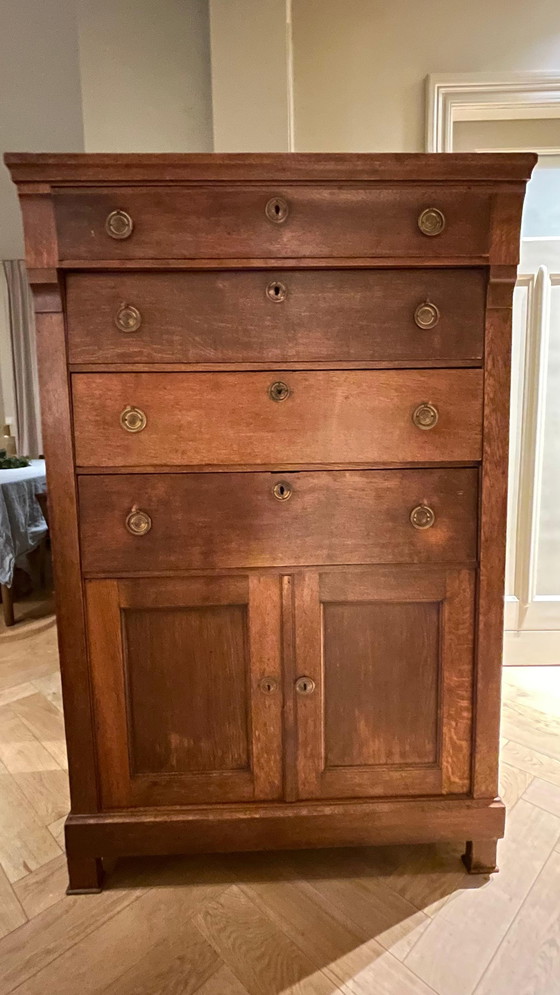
point(281, 827)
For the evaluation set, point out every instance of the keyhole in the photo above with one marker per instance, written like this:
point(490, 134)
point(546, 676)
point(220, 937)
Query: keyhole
point(279, 391)
point(276, 210)
point(305, 685)
point(282, 491)
point(268, 685)
point(276, 291)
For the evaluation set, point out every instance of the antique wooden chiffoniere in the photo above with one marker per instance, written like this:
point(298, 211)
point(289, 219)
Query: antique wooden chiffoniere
point(275, 401)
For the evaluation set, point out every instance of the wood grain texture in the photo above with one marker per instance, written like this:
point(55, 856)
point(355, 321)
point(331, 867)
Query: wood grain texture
point(381, 728)
point(492, 550)
point(331, 517)
point(333, 316)
point(75, 168)
point(160, 655)
point(63, 529)
point(223, 419)
point(221, 221)
point(366, 718)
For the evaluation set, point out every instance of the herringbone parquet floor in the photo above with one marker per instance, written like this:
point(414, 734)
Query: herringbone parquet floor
point(388, 921)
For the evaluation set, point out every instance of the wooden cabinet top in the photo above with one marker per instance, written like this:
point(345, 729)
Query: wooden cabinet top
point(88, 168)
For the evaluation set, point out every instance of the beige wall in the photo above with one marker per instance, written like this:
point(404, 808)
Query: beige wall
point(250, 86)
point(40, 101)
point(145, 67)
point(40, 110)
point(360, 65)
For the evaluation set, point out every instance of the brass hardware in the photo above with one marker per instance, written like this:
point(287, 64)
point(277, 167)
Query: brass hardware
point(279, 391)
point(425, 416)
point(277, 210)
point(282, 490)
point(138, 522)
point(426, 315)
point(422, 517)
point(277, 291)
point(305, 685)
point(268, 685)
point(431, 221)
point(133, 419)
point(119, 224)
point(128, 318)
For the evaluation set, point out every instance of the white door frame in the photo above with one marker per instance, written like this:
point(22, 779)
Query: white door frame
point(486, 97)
point(491, 97)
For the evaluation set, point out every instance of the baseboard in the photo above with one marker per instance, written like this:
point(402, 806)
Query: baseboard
point(532, 648)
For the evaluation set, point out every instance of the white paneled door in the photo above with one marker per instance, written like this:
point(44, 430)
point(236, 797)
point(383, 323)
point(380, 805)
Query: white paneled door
point(533, 562)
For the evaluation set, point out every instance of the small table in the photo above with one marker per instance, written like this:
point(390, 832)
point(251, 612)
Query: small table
point(22, 525)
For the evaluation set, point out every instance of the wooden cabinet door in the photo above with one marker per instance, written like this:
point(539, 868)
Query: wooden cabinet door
point(387, 705)
point(186, 679)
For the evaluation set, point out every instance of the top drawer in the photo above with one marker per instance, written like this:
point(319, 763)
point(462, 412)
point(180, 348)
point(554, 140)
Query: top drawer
point(261, 222)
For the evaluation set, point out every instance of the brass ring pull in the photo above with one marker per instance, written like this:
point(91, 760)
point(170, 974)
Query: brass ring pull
point(277, 291)
point(431, 221)
point(138, 522)
point(119, 224)
point(282, 491)
point(279, 391)
point(128, 318)
point(133, 419)
point(422, 517)
point(426, 315)
point(425, 416)
point(305, 685)
point(268, 685)
point(277, 210)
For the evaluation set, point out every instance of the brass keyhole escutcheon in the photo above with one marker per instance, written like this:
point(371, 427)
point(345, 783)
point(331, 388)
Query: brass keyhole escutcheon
point(268, 685)
point(277, 291)
point(431, 221)
point(279, 391)
point(425, 416)
point(426, 315)
point(422, 517)
point(119, 224)
point(305, 685)
point(133, 419)
point(277, 210)
point(282, 491)
point(128, 318)
point(138, 522)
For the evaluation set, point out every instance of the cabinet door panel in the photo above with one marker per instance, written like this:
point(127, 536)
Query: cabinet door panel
point(390, 652)
point(177, 666)
point(380, 661)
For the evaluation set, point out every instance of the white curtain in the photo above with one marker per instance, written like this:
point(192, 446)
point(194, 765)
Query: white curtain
point(24, 359)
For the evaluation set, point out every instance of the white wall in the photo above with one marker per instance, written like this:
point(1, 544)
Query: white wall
point(360, 65)
point(250, 75)
point(145, 67)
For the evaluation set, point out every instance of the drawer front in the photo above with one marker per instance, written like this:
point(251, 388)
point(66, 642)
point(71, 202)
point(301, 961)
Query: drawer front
point(226, 221)
point(319, 418)
point(277, 316)
point(222, 520)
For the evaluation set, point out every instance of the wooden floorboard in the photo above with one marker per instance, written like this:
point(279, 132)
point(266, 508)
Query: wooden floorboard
point(375, 921)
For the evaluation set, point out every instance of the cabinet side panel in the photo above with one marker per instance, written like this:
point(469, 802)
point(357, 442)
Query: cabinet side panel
point(63, 527)
point(492, 553)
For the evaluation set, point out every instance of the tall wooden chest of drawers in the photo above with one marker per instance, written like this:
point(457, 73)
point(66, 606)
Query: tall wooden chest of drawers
point(275, 402)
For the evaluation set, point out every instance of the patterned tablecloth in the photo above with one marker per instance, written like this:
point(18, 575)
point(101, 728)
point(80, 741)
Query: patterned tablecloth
point(22, 525)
